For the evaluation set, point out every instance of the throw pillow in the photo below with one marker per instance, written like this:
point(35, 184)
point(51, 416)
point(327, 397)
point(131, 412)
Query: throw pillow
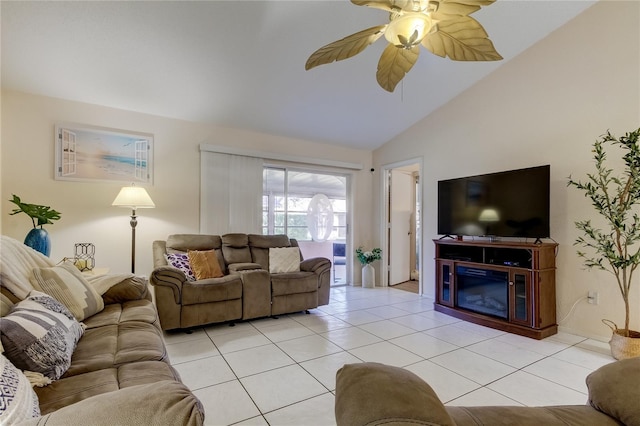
point(40, 335)
point(204, 264)
point(18, 401)
point(284, 259)
point(181, 261)
point(66, 284)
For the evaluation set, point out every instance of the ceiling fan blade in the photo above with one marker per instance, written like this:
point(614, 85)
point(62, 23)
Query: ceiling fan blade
point(394, 64)
point(456, 7)
point(345, 48)
point(377, 4)
point(461, 38)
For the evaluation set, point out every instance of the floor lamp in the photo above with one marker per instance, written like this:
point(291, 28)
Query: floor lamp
point(133, 197)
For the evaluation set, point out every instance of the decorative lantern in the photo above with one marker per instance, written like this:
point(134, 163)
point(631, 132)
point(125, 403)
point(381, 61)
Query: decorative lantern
point(84, 258)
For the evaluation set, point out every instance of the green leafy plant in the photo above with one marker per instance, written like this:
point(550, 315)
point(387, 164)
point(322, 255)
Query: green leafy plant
point(616, 199)
point(366, 257)
point(40, 215)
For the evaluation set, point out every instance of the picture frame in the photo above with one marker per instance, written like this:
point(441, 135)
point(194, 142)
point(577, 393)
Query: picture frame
point(90, 153)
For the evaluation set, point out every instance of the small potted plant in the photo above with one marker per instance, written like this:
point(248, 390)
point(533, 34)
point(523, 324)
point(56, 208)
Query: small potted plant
point(37, 238)
point(366, 258)
point(613, 249)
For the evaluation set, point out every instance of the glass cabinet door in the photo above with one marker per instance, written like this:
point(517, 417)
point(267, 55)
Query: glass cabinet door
point(520, 297)
point(445, 283)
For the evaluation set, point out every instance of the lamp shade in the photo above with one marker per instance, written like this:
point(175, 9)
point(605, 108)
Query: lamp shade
point(489, 215)
point(133, 197)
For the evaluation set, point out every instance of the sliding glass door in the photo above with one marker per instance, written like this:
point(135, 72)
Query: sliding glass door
point(311, 207)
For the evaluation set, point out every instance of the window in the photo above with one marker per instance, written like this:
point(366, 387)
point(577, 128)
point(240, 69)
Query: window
point(286, 197)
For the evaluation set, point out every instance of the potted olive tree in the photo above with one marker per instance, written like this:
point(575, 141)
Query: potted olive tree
point(616, 198)
point(38, 238)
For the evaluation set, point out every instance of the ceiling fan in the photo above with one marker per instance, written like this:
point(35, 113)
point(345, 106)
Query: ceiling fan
point(443, 27)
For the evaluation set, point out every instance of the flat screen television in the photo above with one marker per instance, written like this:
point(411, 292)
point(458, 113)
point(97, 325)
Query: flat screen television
point(513, 203)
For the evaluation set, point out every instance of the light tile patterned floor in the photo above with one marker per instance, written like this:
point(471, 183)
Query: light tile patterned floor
point(282, 371)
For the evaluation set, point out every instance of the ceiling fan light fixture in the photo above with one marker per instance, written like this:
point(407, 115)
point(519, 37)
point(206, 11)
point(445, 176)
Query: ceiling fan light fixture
point(443, 27)
point(409, 29)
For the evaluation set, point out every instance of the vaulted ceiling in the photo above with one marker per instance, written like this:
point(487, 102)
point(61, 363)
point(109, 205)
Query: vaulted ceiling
point(241, 63)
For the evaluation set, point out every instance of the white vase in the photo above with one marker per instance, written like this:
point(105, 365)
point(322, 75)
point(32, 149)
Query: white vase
point(368, 276)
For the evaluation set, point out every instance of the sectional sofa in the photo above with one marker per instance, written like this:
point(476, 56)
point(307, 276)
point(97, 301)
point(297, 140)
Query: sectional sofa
point(259, 276)
point(93, 348)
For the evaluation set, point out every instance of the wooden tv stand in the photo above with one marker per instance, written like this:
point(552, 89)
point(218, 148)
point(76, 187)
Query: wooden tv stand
point(470, 280)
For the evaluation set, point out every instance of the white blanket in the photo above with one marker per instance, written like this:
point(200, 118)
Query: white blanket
point(18, 260)
point(16, 265)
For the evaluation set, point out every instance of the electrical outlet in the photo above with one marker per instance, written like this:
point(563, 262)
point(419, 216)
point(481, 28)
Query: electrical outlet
point(593, 298)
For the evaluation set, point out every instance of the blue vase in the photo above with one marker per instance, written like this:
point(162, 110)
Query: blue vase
point(38, 239)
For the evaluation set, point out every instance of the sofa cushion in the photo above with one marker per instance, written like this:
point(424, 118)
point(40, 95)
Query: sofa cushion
point(284, 259)
point(66, 284)
point(293, 282)
point(212, 290)
point(204, 264)
point(129, 289)
point(165, 402)
point(613, 389)
point(235, 248)
point(558, 415)
point(183, 242)
point(40, 335)
point(18, 401)
point(260, 245)
point(117, 313)
point(181, 261)
point(70, 390)
point(115, 345)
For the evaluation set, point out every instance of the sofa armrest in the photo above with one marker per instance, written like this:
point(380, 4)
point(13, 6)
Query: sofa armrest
point(371, 393)
point(315, 264)
point(237, 267)
point(164, 402)
point(613, 390)
point(133, 288)
point(168, 276)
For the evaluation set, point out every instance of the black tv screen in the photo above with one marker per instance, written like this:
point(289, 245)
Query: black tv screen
point(513, 203)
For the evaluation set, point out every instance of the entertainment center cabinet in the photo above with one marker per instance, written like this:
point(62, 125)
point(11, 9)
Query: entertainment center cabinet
point(508, 286)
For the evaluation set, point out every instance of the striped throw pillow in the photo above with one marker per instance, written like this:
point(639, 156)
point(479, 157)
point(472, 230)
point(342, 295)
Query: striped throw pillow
point(40, 335)
point(66, 284)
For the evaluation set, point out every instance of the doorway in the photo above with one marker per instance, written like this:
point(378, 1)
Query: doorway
point(402, 223)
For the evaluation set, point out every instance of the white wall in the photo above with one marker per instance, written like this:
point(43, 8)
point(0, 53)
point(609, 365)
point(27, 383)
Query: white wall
point(546, 106)
point(27, 162)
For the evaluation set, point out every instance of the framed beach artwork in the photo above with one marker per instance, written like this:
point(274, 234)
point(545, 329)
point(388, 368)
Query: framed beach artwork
point(86, 153)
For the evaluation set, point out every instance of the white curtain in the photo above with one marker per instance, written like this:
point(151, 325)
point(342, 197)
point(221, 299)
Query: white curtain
point(230, 193)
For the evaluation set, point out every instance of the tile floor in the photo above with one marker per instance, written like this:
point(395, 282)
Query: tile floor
point(282, 371)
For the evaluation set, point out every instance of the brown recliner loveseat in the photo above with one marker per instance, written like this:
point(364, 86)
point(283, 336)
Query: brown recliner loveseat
point(246, 290)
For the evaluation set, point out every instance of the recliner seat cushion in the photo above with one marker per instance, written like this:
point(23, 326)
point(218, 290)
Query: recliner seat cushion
point(69, 390)
point(135, 310)
point(114, 345)
point(293, 282)
point(212, 290)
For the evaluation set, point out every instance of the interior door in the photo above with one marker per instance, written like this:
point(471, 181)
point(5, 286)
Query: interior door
point(401, 199)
